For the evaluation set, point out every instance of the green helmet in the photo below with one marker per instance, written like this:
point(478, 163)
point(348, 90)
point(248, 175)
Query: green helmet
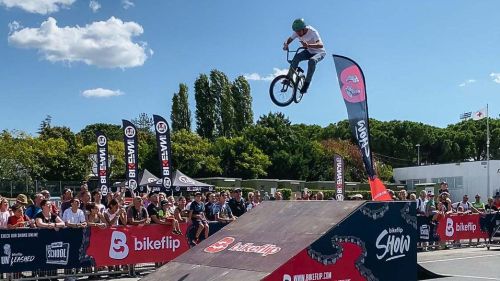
point(298, 24)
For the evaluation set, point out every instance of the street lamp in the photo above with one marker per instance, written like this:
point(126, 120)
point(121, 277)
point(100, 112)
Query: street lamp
point(418, 154)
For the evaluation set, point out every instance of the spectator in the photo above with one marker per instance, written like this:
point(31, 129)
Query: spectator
point(490, 206)
point(237, 204)
point(97, 200)
point(209, 206)
point(34, 209)
point(402, 195)
point(22, 200)
point(95, 217)
point(180, 213)
point(46, 195)
point(497, 201)
point(278, 195)
point(478, 204)
point(154, 210)
point(74, 217)
point(391, 193)
point(65, 198)
point(430, 206)
point(162, 196)
point(357, 197)
point(137, 214)
point(18, 218)
point(305, 195)
point(413, 197)
point(197, 216)
point(249, 202)
point(266, 197)
point(189, 200)
point(465, 204)
point(421, 202)
point(85, 199)
point(443, 187)
point(445, 199)
point(320, 196)
point(312, 196)
point(4, 213)
point(46, 219)
point(222, 211)
point(83, 189)
point(115, 215)
point(171, 205)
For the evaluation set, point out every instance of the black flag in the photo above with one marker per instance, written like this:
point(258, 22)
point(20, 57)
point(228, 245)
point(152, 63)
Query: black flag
point(352, 86)
point(164, 150)
point(102, 160)
point(131, 157)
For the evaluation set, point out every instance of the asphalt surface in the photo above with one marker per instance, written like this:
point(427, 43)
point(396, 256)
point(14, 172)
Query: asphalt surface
point(463, 264)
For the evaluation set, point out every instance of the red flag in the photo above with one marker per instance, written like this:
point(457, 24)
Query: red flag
point(378, 190)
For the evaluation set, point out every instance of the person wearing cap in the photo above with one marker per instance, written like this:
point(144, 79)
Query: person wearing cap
point(430, 206)
point(237, 204)
point(46, 195)
point(197, 216)
point(154, 211)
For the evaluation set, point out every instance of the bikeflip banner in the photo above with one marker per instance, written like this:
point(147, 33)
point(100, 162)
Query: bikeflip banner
point(353, 89)
point(164, 151)
point(339, 177)
point(102, 160)
point(131, 157)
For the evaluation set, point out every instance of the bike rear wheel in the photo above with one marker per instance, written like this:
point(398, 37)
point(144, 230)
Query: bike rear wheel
point(298, 95)
point(282, 90)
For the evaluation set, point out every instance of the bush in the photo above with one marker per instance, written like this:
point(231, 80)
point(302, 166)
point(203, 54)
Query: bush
point(286, 192)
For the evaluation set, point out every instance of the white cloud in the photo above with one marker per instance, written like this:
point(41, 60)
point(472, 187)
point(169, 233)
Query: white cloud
point(13, 26)
point(495, 77)
point(127, 4)
point(38, 6)
point(467, 82)
point(257, 77)
point(94, 5)
point(101, 93)
point(104, 44)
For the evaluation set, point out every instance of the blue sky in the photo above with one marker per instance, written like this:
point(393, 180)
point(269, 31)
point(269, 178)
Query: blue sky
point(425, 61)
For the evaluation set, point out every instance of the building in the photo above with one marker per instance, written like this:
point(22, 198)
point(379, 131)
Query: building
point(463, 178)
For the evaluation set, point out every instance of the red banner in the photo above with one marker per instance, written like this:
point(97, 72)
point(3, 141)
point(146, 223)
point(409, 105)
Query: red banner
point(136, 244)
point(456, 227)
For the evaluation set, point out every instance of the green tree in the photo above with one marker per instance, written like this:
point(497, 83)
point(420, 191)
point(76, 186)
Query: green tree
point(181, 114)
point(220, 90)
point(191, 154)
point(206, 114)
point(112, 132)
point(116, 152)
point(240, 158)
point(243, 113)
point(143, 123)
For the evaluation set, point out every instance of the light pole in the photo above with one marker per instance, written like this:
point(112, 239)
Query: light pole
point(418, 154)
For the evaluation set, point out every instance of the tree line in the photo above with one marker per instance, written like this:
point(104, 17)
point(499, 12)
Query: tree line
point(226, 142)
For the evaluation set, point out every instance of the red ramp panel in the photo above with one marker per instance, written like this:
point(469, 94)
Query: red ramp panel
point(302, 240)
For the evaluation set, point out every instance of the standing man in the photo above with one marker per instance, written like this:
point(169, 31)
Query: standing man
point(314, 52)
point(237, 204)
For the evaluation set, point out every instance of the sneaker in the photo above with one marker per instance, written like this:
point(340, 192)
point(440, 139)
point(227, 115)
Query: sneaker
point(304, 88)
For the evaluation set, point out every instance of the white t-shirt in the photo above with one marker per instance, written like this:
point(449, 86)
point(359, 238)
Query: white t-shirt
point(69, 216)
point(4, 217)
point(465, 205)
point(421, 205)
point(311, 37)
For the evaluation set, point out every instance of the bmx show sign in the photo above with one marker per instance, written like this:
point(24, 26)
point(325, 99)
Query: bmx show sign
point(339, 177)
point(164, 148)
point(102, 157)
point(131, 154)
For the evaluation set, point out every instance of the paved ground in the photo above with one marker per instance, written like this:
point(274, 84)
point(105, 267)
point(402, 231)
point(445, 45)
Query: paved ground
point(472, 264)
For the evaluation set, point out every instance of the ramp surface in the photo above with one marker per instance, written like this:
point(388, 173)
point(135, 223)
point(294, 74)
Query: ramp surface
point(293, 225)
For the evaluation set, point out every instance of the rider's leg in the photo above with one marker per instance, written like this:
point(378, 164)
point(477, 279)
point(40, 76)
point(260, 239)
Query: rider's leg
point(304, 55)
point(311, 67)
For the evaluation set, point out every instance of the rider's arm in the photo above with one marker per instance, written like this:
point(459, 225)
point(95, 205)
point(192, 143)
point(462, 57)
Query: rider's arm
point(316, 45)
point(287, 42)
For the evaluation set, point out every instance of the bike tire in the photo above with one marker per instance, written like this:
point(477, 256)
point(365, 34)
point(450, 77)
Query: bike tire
point(298, 95)
point(286, 94)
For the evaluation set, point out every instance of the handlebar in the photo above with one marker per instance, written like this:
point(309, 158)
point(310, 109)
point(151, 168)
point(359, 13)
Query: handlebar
point(295, 52)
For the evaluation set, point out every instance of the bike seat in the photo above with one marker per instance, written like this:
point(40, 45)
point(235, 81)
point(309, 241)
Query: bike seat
point(300, 70)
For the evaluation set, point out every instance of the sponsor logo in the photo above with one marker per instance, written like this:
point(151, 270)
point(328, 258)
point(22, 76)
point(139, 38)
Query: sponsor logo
point(119, 249)
point(452, 227)
point(224, 243)
point(394, 244)
point(101, 140)
point(339, 197)
point(424, 231)
point(185, 179)
point(132, 184)
point(129, 132)
point(449, 227)
point(167, 183)
point(308, 276)
point(362, 137)
point(161, 127)
point(10, 258)
point(57, 253)
point(165, 160)
point(339, 175)
point(352, 78)
point(353, 90)
point(103, 168)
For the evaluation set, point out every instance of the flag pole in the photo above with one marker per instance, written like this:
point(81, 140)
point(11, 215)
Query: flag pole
point(487, 152)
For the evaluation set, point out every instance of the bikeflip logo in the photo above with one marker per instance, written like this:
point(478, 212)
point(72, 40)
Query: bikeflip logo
point(450, 230)
point(223, 244)
point(119, 249)
point(451, 227)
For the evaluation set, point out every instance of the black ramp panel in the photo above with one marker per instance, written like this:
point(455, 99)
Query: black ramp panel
point(258, 242)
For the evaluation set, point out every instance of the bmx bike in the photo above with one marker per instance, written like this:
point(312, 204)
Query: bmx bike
point(283, 90)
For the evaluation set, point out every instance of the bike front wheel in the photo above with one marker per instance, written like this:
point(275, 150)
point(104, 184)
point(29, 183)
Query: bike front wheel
point(298, 95)
point(282, 90)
